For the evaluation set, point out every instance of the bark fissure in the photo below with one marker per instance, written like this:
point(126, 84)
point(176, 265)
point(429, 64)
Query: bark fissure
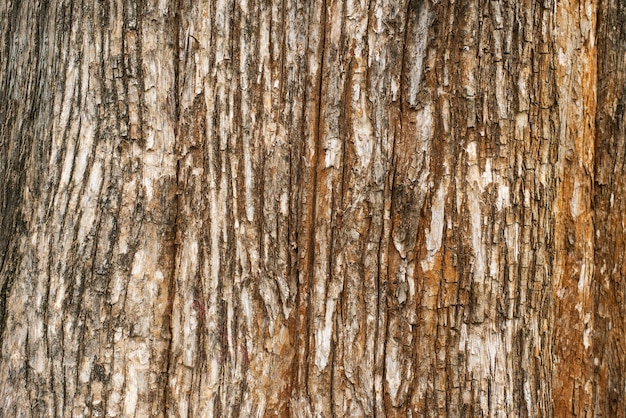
point(176, 230)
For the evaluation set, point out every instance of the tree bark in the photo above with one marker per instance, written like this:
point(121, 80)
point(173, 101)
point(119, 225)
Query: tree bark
point(323, 208)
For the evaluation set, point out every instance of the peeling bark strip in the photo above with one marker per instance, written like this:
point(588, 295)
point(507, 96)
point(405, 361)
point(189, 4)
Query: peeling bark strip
point(220, 208)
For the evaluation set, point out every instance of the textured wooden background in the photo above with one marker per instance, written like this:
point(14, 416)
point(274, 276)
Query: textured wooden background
point(312, 208)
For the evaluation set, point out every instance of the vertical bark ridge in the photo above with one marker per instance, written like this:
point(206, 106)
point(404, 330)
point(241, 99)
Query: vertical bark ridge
point(18, 121)
point(317, 268)
point(24, 118)
point(411, 167)
point(86, 189)
point(467, 331)
point(311, 124)
point(573, 282)
point(609, 355)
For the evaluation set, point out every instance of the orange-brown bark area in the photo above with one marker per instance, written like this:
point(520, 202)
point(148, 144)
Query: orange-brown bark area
point(312, 208)
point(573, 284)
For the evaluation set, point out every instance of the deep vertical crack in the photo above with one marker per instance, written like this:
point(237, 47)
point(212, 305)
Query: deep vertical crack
point(176, 27)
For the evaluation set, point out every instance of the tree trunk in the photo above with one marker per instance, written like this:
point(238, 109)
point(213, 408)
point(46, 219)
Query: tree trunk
point(290, 208)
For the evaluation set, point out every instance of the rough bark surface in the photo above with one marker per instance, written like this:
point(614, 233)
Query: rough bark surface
point(609, 310)
point(320, 208)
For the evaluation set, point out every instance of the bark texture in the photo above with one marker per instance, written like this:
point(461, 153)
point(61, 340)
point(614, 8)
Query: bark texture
point(609, 214)
point(312, 208)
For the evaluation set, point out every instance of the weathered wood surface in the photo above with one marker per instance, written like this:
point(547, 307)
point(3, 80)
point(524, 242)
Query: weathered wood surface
point(290, 208)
